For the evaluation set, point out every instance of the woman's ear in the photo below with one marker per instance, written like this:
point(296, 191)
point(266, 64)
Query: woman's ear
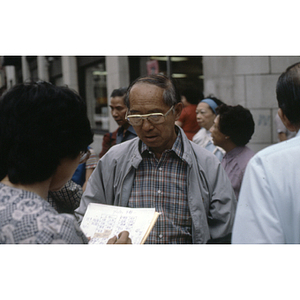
point(286, 121)
point(178, 109)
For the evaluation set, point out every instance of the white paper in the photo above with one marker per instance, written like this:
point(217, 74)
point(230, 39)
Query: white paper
point(101, 222)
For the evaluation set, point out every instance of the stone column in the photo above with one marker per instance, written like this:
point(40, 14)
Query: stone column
point(69, 70)
point(25, 69)
point(251, 82)
point(10, 73)
point(42, 66)
point(117, 68)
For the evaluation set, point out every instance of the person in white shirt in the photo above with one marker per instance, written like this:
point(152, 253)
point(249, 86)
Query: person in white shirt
point(269, 205)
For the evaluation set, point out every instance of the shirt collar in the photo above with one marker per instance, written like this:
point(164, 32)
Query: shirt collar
point(130, 129)
point(234, 152)
point(177, 146)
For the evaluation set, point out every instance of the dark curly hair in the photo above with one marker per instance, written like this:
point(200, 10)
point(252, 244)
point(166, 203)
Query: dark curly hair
point(236, 122)
point(40, 124)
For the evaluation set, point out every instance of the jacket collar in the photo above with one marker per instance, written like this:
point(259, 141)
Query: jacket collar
point(136, 157)
point(187, 148)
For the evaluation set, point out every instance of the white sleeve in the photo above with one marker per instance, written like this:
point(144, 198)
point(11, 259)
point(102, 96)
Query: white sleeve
point(256, 219)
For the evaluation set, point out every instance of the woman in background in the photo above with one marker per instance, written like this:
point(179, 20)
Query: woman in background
point(206, 113)
point(232, 130)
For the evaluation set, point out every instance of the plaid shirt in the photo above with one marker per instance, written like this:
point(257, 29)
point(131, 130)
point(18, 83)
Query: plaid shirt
point(163, 184)
point(67, 199)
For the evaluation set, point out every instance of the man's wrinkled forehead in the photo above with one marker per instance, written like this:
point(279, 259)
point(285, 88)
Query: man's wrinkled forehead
point(143, 89)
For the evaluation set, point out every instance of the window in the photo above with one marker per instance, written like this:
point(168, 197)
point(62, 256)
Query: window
point(96, 97)
point(92, 86)
point(186, 70)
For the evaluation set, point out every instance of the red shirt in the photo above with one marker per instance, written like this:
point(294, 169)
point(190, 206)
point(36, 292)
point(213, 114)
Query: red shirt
point(189, 121)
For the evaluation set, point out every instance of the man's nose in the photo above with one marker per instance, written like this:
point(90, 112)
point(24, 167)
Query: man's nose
point(147, 125)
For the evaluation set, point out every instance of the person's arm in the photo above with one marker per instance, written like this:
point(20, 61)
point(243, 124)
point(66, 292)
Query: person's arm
point(122, 238)
point(217, 195)
point(256, 218)
point(222, 205)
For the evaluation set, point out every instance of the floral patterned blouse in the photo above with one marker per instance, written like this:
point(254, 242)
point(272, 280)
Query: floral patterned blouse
point(26, 218)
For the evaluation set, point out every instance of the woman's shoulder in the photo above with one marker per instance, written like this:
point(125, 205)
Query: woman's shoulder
point(26, 218)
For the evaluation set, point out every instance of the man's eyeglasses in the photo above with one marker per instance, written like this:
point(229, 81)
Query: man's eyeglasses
point(154, 118)
point(84, 156)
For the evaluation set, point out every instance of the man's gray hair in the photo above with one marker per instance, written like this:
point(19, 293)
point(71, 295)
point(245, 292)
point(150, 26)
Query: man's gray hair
point(171, 95)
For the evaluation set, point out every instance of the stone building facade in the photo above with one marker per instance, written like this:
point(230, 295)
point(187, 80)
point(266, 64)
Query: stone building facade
point(251, 82)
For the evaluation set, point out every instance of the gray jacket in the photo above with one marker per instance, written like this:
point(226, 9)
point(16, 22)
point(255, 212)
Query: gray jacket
point(211, 199)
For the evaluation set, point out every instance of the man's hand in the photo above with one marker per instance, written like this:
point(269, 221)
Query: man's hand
point(123, 238)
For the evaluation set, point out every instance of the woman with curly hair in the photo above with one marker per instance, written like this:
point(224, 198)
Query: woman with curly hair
point(232, 130)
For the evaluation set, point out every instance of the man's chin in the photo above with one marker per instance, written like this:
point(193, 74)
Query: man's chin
point(120, 123)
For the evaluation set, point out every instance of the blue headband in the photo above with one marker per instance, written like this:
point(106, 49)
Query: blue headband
point(213, 105)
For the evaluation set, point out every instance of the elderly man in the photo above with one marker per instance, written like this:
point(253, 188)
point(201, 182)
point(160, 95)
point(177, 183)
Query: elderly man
point(161, 168)
point(269, 206)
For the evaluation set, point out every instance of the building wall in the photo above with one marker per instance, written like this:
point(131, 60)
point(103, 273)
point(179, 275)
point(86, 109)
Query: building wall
point(251, 82)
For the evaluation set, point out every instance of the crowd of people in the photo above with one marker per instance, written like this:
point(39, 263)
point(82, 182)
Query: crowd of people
point(182, 153)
